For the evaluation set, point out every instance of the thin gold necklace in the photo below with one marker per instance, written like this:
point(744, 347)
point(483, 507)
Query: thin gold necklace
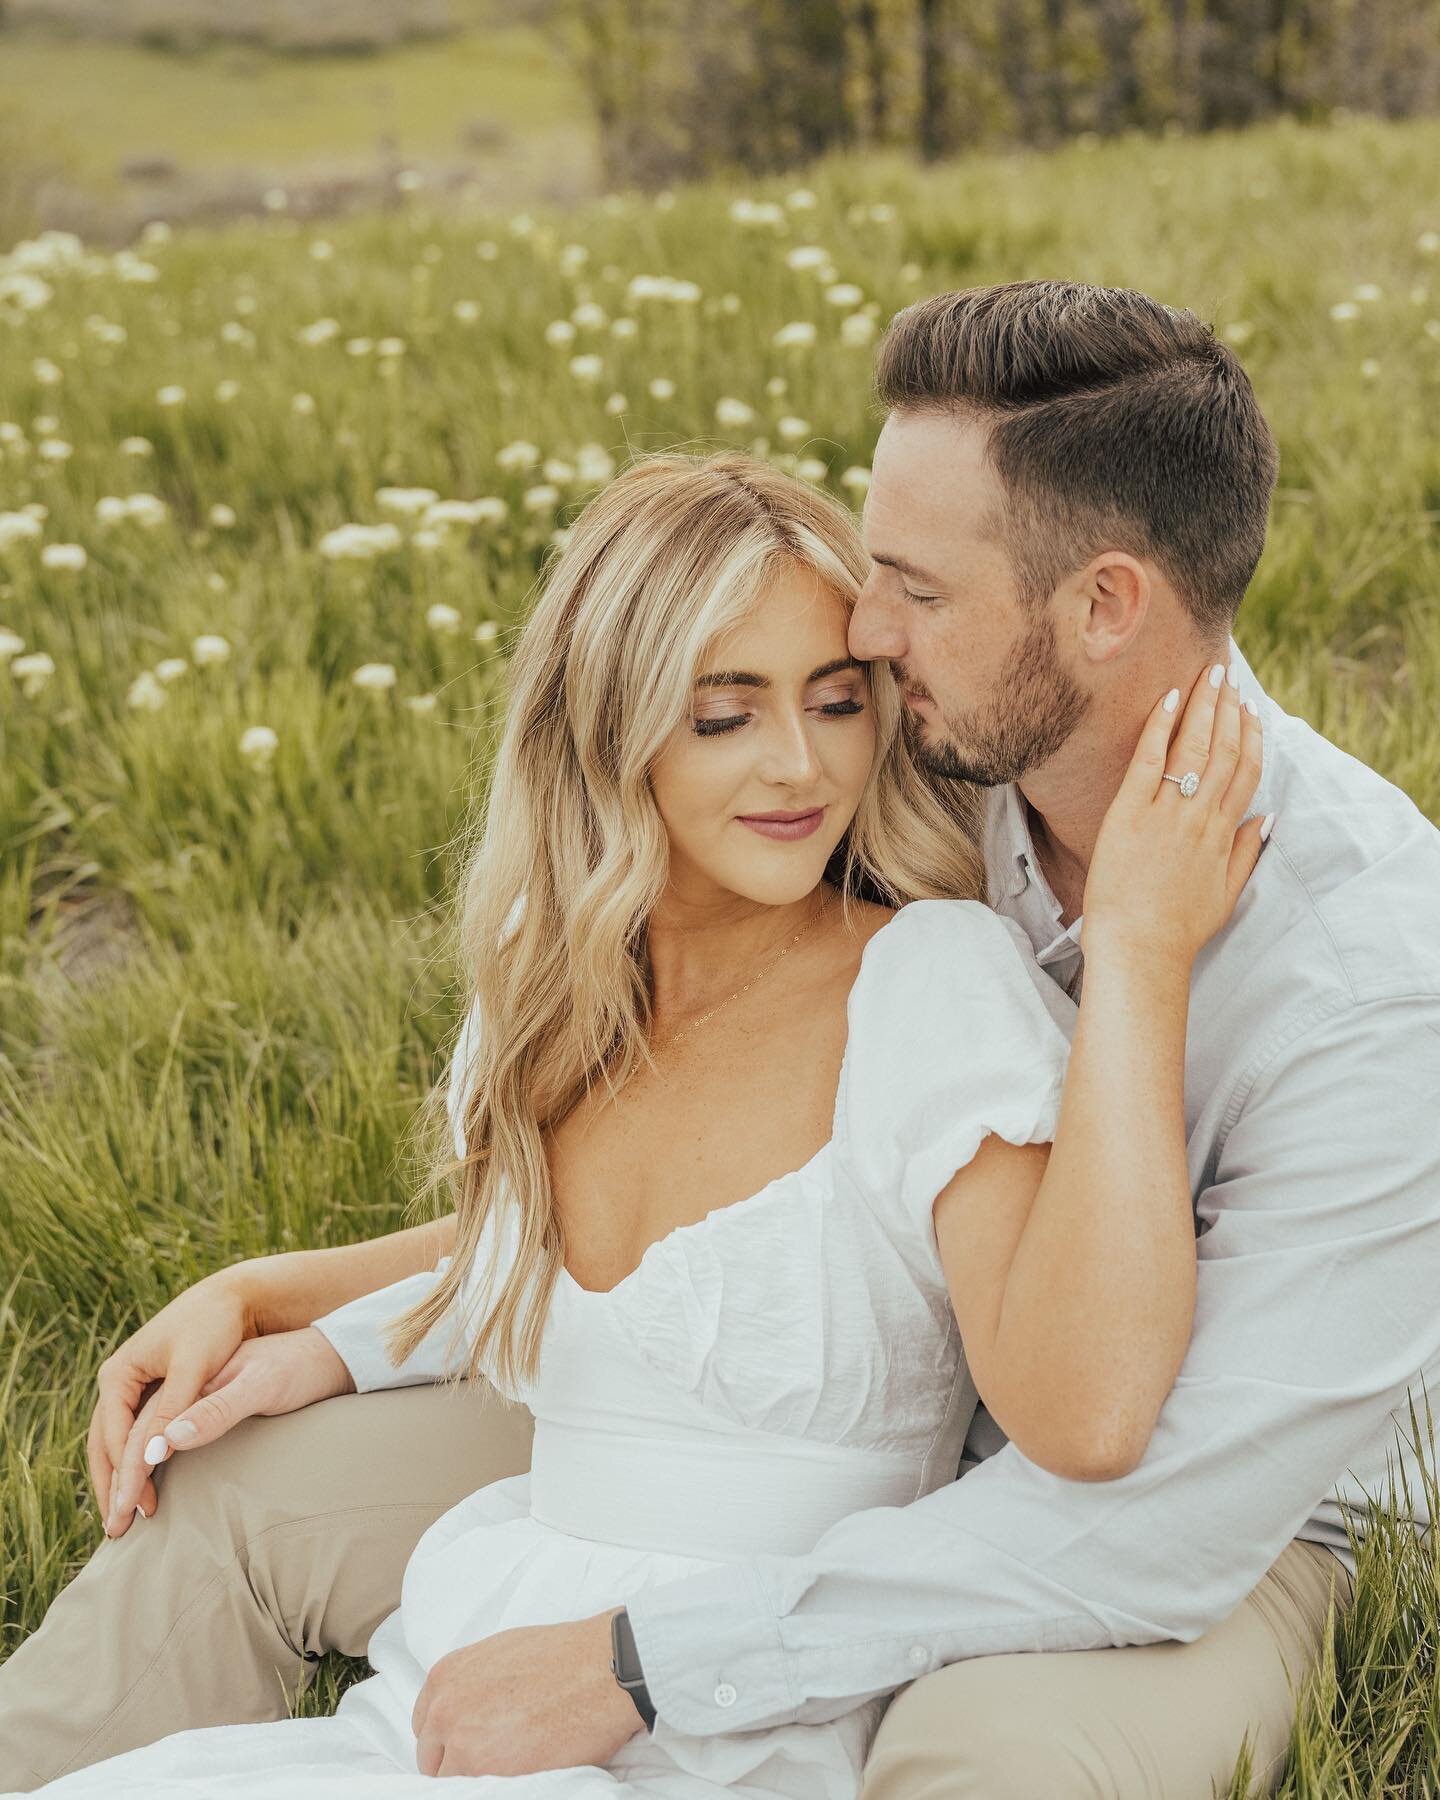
point(760, 974)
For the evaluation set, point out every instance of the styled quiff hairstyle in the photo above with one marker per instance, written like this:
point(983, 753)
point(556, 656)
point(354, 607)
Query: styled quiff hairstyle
point(1115, 422)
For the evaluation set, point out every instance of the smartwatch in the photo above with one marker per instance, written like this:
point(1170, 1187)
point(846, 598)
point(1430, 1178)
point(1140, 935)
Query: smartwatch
point(625, 1664)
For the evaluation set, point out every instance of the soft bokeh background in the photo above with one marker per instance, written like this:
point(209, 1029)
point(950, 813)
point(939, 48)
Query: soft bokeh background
point(364, 301)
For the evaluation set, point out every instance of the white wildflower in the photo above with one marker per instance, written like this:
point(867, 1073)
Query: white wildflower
point(486, 631)
point(359, 346)
point(519, 455)
point(209, 648)
point(63, 556)
point(222, 517)
point(405, 501)
point(811, 468)
point(856, 478)
point(594, 463)
point(802, 200)
point(588, 369)
point(443, 619)
point(258, 744)
point(1343, 311)
point(359, 543)
point(18, 527)
point(409, 181)
point(807, 256)
point(302, 404)
point(776, 387)
point(559, 331)
point(1369, 291)
point(792, 430)
point(390, 346)
point(616, 404)
point(799, 334)
point(624, 328)
point(47, 373)
point(422, 704)
point(1370, 368)
point(733, 414)
point(320, 332)
point(145, 693)
point(136, 446)
point(171, 395)
point(540, 499)
point(757, 212)
point(857, 330)
point(170, 668)
point(662, 388)
point(225, 391)
point(32, 672)
point(1428, 242)
point(467, 312)
point(844, 293)
point(558, 470)
point(377, 677)
point(55, 450)
point(589, 316)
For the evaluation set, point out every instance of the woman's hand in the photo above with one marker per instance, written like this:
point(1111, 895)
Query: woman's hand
point(201, 1344)
point(1167, 869)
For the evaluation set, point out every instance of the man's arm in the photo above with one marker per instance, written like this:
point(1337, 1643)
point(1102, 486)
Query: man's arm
point(1315, 1312)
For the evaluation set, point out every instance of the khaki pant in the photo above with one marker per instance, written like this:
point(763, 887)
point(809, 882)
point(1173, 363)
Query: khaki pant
point(289, 1536)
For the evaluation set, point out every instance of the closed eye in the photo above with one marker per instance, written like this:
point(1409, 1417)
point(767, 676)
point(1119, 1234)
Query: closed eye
point(835, 709)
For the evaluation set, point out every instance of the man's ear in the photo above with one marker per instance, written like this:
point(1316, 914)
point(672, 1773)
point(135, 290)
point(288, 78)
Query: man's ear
point(1113, 593)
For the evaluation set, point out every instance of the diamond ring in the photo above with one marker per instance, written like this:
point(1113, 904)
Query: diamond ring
point(1186, 783)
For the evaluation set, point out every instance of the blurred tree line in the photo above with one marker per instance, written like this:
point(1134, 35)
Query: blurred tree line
point(685, 88)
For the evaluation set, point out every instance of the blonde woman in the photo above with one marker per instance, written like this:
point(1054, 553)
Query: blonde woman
point(774, 1150)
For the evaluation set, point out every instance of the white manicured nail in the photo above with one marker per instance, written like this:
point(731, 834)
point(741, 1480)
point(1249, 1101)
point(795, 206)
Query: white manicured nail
point(1232, 675)
point(181, 1431)
point(157, 1449)
point(1265, 825)
point(1171, 700)
point(1252, 709)
point(140, 1511)
point(1217, 675)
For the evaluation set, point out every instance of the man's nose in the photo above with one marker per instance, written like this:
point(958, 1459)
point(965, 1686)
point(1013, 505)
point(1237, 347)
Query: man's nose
point(875, 630)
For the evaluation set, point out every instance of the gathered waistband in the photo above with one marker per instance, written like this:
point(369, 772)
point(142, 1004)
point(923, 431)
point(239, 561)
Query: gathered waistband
point(714, 1497)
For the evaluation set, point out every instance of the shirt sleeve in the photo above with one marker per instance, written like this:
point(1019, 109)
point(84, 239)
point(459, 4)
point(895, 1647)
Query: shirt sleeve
point(955, 1033)
point(356, 1330)
point(1315, 1314)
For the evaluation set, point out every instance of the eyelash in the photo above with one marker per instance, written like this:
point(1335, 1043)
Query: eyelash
point(838, 709)
point(920, 599)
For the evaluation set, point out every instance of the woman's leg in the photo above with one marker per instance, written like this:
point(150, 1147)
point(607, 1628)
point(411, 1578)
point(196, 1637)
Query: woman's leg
point(286, 1538)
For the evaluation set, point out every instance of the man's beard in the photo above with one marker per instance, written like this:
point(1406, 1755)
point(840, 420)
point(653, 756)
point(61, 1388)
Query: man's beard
point(1033, 710)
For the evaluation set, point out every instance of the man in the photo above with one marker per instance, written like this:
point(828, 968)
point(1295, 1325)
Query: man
point(1069, 500)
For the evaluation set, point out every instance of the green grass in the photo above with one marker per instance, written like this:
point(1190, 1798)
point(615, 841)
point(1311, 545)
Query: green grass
point(219, 984)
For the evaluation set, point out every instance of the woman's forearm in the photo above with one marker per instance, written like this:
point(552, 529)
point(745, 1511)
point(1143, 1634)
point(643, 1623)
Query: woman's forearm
point(295, 1287)
point(1097, 1308)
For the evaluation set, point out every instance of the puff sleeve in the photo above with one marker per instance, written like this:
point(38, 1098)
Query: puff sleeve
point(955, 1032)
point(356, 1330)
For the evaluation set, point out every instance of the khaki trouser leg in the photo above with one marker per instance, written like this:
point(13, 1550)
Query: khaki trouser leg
point(1151, 1722)
point(287, 1537)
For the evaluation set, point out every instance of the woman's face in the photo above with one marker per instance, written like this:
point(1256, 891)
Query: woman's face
point(780, 723)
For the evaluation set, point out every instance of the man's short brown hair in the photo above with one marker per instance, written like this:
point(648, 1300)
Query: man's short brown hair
point(1116, 422)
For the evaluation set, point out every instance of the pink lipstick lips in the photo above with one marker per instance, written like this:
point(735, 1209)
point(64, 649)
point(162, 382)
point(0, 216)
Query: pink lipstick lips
point(784, 826)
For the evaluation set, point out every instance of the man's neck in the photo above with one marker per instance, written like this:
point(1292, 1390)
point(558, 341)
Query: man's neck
point(1068, 797)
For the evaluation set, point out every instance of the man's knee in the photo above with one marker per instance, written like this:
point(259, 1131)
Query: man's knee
point(974, 1729)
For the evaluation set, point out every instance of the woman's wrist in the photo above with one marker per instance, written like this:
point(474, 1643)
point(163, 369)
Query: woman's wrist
point(1136, 952)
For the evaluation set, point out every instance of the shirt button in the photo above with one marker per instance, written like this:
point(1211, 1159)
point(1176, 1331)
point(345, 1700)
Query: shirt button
point(724, 1694)
point(918, 1654)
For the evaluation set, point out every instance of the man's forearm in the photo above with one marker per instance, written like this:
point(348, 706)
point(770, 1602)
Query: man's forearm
point(292, 1289)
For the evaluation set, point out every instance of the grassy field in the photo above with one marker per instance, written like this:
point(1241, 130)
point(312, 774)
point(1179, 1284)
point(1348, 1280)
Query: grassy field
point(223, 860)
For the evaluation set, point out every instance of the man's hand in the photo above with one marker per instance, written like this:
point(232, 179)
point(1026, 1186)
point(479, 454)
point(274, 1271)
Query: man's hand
point(537, 1697)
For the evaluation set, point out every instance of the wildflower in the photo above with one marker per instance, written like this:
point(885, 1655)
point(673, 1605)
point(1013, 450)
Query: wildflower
point(589, 316)
point(857, 330)
point(136, 446)
point(856, 478)
point(172, 395)
point(443, 619)
point(10, 645)
point(56, 450)
point(662, 388)
point(156, 232)
point(170, 668)
point(359, 543)
point(131, 268)
point(1428, 242)
point(793, 430)
point(145, 693)
point(44, 424)
point(258, 744)
point(303, 404)
point(210, 648)
point(275, 199)
point(594, 463)
point(16, 527)
point(32, 672)
point(1343, 311)
point(421, 704)
point(558, 470)
point(573, 259)
point(540, 499)
point(486, 631)
point(376, 677)
point(322, 250)
point(910, 272)
point(625, 328)
point(559, 331)
point(63, 556)
point(616, 404)
point(802, 200)
point(1368, 290)
point(409, 181)
point(426, 540)
point(1370, 368)
point(734, 415)
point(222, 517)
point(1239, 332)
point(811, 469)
point(799, 334)
point(807, 256)
point(730, 303)
point(233, 332)
point(844, 293)
point(47, 373)
point(757, 212)
point(320, 332)
point(217, 583)
point(587, 368)
point(466, 311)
point(519, 455)
point(359, 346)
point(225, 391)
point(489, 511)
point(776, 387)
point(390, 346)
point(405, 500)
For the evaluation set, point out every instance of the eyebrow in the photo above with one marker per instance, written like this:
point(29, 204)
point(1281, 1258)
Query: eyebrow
point(740, 678)
point(908, 568)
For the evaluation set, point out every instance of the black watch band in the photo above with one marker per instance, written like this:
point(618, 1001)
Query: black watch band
point(625, 1664)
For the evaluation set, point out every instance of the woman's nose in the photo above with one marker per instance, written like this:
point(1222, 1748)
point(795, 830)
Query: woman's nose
point(792, 759)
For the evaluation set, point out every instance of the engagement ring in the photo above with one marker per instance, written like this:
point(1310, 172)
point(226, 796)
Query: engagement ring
point(1186, 783)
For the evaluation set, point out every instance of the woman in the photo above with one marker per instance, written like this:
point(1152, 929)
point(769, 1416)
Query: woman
point(757, 1185)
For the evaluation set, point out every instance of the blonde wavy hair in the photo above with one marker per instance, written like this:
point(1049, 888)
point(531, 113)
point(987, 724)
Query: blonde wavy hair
point(572, 853)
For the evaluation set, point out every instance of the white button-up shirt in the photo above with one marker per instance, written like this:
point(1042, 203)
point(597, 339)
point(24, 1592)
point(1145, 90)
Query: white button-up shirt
point(1312, 1103)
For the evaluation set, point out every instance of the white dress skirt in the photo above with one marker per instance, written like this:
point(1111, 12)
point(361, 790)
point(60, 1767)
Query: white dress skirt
point(788, 1359)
